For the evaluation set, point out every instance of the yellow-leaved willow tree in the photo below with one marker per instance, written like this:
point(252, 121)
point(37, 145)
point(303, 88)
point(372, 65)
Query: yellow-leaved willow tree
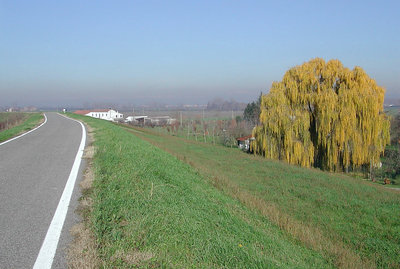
point(324, 115)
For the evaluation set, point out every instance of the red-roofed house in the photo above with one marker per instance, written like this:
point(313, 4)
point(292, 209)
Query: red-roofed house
point(244, 142)
point(104, 114)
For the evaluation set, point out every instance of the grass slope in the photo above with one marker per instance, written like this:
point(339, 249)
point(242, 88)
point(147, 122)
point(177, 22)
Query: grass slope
point(350, 222)
point(152, 210)
point(30, 122)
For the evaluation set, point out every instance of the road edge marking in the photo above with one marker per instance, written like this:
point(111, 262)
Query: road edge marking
point(48, 249)
point(11, 139)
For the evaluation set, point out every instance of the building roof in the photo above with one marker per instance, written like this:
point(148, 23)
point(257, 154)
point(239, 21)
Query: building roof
point(84, 112)
point(81, 112)
point(244, 138)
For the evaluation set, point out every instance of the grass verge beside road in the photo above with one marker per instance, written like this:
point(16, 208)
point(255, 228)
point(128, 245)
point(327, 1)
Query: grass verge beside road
point(149, 209)
point(30, 121)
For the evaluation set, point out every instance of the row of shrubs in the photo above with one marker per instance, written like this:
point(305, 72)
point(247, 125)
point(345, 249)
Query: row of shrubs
point(10, 119)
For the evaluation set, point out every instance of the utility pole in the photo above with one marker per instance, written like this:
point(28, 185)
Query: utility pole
point(181, 118)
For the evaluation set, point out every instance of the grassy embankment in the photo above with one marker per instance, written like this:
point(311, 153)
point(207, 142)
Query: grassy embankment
point(150, 209)
point(18, 125)
point(353, 223)
point(214, 206)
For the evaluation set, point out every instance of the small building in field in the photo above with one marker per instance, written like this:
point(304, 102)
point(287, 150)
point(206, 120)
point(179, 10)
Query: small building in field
point(104, 114)
point(136, 119)
point(162, 120)
point(244, 142)
point(150, 121)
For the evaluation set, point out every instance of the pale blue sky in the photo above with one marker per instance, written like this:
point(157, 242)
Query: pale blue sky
point(134, 52)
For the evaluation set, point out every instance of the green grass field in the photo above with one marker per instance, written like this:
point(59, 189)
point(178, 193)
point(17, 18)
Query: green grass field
point(392, 111)
point(163, 201)
point(28, 122)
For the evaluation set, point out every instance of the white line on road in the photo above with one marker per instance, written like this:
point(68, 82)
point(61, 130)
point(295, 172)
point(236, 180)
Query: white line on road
point(46, 254)
point(45, 120)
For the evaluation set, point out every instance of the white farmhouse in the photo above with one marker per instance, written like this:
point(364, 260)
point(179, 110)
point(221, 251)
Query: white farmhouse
point(104, 114)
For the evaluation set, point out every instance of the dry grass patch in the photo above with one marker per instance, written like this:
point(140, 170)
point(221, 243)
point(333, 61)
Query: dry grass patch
point(82, 253)
point(132, 257)
point(88, 179)
point(89, 152)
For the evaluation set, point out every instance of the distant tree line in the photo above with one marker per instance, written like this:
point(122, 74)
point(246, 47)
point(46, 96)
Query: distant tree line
point(224, 105)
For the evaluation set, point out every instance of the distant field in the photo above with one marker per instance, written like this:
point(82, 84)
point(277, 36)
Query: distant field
point(217, 207)
point(15, 123)
point(392, 111)
point(213, 127)
point(188, 114)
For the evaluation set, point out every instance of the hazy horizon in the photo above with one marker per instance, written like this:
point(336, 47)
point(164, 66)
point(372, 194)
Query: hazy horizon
point(183, 52)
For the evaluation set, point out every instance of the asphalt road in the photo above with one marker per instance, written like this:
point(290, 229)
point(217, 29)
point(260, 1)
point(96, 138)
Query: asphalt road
point(33, 172)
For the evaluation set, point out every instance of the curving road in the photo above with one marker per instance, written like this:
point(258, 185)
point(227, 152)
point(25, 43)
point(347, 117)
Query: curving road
point(34, 170)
